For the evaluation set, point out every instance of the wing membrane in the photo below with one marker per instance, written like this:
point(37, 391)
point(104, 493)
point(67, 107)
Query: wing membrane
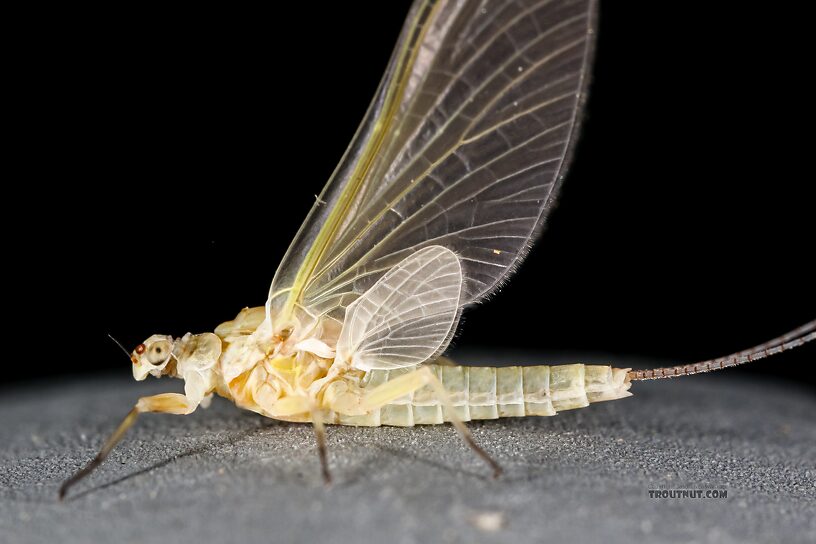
point(463, 147)
point(407, 316)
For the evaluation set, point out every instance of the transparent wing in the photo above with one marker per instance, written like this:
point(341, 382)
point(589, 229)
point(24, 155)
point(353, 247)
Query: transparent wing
point(463, 146)
point(408, 314)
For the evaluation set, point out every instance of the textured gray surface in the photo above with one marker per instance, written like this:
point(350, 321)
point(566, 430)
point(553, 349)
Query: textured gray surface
point(222, 475)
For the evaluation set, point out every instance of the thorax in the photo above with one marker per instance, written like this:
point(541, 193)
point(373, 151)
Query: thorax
point(287, 382)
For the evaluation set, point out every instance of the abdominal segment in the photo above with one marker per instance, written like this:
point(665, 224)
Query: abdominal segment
point(491, 393)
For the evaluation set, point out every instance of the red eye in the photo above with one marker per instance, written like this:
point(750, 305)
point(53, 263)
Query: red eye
point(140, 349)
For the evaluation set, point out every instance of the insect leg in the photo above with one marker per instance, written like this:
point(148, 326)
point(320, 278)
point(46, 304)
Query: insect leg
point(168, 403)
point(320, 435)
point(408, 383)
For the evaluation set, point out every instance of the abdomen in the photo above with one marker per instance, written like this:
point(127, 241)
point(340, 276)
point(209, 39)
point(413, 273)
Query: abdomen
point(490, 393)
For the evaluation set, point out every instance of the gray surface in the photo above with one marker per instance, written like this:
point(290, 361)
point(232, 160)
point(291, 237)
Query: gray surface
point(222, 475)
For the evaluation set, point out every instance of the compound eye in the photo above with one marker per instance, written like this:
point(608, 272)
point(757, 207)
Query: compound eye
point(158, 353)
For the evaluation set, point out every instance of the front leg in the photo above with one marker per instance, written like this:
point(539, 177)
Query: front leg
point(166, 403)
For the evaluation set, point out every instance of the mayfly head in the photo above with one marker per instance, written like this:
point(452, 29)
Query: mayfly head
point(153, 356)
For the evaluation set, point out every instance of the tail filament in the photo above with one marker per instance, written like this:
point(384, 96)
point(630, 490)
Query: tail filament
point(793, 339)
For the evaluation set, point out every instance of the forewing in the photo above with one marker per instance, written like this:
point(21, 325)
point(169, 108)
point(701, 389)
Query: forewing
point(463, 147)
point(407, 316)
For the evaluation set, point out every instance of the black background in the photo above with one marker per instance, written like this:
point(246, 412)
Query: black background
point(164, 160)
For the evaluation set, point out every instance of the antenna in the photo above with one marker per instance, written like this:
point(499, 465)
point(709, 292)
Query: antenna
point(118, 343)
point(793, 339)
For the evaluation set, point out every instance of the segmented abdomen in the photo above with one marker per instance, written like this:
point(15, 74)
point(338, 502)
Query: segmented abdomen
point(490, 393)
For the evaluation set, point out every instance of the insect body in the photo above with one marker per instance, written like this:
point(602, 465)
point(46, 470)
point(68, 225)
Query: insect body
point(290, 388)
point(446, 184)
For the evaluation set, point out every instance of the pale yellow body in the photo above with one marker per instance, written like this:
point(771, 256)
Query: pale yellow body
point(487, 393)
point(301, 386)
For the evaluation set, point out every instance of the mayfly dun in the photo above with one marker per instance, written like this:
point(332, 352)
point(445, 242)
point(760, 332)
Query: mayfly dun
point(444, 187)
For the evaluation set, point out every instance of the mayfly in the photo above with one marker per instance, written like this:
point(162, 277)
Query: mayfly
point(445, 185)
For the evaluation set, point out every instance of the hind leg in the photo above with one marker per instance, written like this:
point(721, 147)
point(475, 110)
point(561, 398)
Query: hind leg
point(407, 384)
